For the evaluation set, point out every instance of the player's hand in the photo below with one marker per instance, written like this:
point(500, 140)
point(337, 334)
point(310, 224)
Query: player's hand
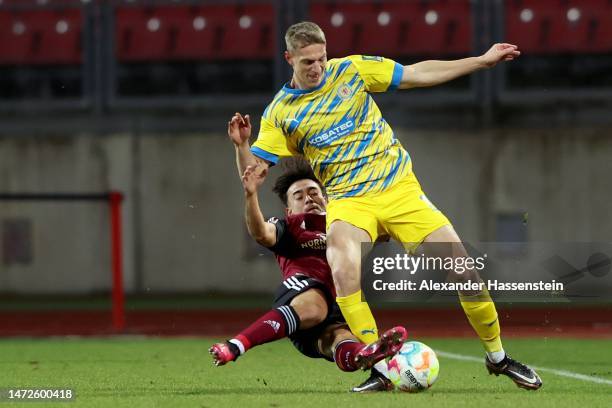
point(253, 178)
point(499, 52)
point(239, 129)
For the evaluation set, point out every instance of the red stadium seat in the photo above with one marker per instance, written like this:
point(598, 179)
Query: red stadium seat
point(560, 26)
point(36, 37)
point(15, 42)
point(195, 32)
point(195, 37)
point(247, 32)
point(142, 34)
point(346, 26)
point(396, 28)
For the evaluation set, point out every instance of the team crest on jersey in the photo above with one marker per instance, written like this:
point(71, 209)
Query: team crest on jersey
point(345, 91)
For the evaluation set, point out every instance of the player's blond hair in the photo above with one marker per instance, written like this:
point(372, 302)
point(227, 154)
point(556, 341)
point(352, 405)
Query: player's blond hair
point(303, 34)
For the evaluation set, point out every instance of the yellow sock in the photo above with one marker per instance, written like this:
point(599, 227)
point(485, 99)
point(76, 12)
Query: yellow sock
point(480, 311)
point(359, 317)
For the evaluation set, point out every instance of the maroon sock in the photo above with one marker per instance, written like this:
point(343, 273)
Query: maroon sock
point(274, 325)
point(344, 355)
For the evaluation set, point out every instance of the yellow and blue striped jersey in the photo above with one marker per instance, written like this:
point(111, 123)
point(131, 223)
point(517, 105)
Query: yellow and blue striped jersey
point(338, 128)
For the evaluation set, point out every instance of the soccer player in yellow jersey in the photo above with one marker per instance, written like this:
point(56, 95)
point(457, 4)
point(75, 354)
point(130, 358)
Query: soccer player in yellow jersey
point(326, 114)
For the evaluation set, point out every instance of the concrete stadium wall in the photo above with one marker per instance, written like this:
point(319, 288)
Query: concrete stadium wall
point(69, 241)
point(183, 226)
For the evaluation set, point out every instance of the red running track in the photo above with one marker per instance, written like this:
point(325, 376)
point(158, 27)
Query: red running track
point(579, 322)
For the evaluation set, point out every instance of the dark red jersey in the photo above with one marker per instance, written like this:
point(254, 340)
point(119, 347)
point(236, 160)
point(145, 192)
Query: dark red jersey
point(300, 247)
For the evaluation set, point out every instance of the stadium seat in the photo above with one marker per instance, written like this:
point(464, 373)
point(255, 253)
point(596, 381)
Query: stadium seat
point(248, 33)
point(195, 32)
point(396, 28)
point(347, 26)
point(559, 26)
point(37, 37)
point(142, 34)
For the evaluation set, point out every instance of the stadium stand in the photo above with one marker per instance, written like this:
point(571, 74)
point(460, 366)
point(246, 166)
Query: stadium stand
point(185, 48)
point(41, 37)
point(190, 32)
point(555, 26)
point(395, 28)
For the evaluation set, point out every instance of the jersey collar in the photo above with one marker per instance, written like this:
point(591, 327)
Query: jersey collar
point(295, 91)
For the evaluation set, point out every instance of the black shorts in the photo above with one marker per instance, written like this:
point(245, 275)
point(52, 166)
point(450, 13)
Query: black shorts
point(306, 341)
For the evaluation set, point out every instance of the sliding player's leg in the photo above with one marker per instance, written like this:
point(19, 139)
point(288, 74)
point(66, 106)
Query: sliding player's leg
point(275, 324)
point(337, 342)
point(298, 307)
point(333, 340)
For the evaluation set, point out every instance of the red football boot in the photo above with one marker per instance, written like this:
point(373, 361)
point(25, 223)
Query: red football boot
point(222, 354)
point(387, 345)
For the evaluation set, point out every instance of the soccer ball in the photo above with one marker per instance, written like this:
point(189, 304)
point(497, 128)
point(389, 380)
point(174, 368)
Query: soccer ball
point(414, 368)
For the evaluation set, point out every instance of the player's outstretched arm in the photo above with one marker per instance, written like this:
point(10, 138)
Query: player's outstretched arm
point(430, 73)
point(239, 131)
point(261, 231)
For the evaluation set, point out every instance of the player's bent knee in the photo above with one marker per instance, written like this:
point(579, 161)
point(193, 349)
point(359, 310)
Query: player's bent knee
point(311, 316)
point(311, 308)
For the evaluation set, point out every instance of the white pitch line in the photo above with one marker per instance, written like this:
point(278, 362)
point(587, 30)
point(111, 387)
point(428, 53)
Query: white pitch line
point(562, 373)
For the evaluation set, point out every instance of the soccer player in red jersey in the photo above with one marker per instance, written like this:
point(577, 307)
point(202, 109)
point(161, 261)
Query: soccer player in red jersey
point(304, 306)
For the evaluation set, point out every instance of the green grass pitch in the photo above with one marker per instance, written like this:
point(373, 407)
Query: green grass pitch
point(177, 372)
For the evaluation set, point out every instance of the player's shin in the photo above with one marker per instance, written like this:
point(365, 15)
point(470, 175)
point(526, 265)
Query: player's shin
point(274, 325)
point(359, 317)
point(482, 315)
point(344, 354)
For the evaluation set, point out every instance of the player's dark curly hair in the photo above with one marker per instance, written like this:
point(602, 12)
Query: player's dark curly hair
point(295, 169)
